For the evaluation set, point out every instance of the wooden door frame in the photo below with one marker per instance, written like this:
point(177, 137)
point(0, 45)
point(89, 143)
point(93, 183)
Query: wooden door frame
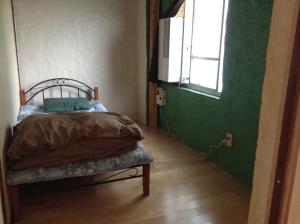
point(152, 86)
point(287, 155)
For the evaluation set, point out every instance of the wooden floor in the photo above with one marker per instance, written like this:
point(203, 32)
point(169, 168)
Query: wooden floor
point(184, 190)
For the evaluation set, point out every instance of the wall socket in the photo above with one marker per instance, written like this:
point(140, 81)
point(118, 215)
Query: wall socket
point(161, 96)
point(228, 140)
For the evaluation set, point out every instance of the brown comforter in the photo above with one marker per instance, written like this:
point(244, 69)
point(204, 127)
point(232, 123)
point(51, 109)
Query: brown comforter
point(56, 139)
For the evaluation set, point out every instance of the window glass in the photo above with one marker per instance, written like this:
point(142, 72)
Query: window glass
point(204, 73)
point(207, 28)
point(203, 44)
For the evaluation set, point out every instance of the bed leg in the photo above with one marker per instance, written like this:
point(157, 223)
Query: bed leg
point(16, 204)
point(146, 179)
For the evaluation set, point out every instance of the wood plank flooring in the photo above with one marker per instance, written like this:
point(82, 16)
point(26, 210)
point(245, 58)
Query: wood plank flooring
point(184, 190)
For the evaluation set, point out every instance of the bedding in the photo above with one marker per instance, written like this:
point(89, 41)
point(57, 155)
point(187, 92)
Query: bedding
point(28, 109)
point(43, 140)
point(131, 158)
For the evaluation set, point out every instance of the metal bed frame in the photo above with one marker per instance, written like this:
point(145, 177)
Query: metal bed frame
point(90, 93)
point(59, 83)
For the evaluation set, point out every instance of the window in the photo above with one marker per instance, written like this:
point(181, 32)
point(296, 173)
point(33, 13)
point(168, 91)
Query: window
point(203, 44)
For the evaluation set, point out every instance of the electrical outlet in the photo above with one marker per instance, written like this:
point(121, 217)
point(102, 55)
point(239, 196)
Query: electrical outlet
point(228, 140)
point(161, 96)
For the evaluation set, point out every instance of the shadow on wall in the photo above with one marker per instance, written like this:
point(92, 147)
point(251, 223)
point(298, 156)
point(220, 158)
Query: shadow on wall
point(123, 58)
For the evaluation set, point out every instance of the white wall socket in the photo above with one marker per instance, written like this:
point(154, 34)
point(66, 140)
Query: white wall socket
point(161, 96)
point(228, 140)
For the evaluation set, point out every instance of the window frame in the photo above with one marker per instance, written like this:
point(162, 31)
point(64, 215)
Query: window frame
point(187, 78)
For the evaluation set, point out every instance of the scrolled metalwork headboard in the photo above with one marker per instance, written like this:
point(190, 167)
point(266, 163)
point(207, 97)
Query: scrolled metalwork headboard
point(41, 87)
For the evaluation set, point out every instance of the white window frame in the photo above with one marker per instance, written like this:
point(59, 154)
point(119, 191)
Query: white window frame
point(187, 56)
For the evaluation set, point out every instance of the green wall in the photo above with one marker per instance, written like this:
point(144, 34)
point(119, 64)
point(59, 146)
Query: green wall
point(202, 121)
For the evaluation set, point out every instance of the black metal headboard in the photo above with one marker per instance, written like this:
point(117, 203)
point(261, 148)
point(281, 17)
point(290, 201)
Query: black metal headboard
point(39, 88)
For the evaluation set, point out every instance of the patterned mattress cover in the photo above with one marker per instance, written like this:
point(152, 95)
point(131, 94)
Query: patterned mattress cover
point(29, 109)
point(139, 156)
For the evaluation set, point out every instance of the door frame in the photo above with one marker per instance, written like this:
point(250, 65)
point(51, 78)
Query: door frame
point(278, 67)
point(288, 151)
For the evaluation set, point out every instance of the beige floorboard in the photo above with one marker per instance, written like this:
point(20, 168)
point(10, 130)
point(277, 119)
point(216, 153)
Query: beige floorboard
point(184, 189)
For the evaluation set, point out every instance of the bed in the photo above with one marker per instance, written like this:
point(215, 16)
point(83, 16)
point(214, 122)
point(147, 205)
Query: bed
point(136, 159)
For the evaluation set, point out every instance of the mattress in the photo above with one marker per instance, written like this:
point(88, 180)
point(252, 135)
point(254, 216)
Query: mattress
point(138, 156)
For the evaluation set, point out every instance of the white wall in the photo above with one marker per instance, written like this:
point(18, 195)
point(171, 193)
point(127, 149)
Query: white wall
point(9, 85)
point(101, 42)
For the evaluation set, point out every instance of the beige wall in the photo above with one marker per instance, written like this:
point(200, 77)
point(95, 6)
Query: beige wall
point(100, 42)
point(9, 92)
point(274, 92)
